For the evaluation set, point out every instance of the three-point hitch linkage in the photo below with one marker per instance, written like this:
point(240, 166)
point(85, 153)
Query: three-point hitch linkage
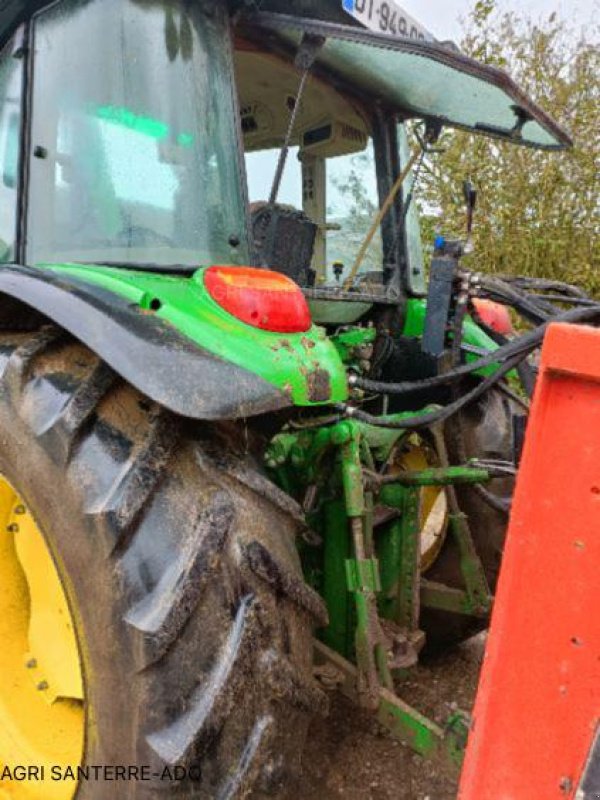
point(379, 628)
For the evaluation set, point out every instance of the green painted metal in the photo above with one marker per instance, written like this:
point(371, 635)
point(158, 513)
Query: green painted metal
point(287, 361)
point(445, 743)
point(389, 549)
point(368, 526)
point(407, 724)
point(456, 733)
point(362, 571)
point(478, 591)
point(441, 476)
point(363, 574)
point(406, 607)
point(336, 456)
point(421, 734)
point(446, 598)
point(350, 342)
point(365, 578)
point(364, 648)
point(348, 437)
point(302, 454)
point(339, 635)
point(360, 576)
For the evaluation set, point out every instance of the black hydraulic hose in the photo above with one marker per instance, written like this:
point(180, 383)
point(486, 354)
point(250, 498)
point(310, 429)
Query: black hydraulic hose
point(527, 375)
point(532, 299)
point(532, 302)
point(501, 504)
point(440, 414)
point(545, 285)
point(533, 314)
point(317, 422)
point(508, 392)
point(452, 376)
point(534, 311)
point(563, 298)
point(521, 346)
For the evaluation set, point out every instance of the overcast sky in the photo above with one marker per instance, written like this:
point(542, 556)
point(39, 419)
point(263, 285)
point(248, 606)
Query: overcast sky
point(441, 16)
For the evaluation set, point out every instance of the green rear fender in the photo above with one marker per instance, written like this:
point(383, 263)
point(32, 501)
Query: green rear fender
point(304, 367)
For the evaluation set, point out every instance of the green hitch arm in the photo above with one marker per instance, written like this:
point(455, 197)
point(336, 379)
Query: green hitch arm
point(363, 572)
point(407, 599)
point(403, 722)
point(436, 476)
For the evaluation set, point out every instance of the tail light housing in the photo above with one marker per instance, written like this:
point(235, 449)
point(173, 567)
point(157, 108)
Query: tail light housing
point(259, 297)
point(495, 316)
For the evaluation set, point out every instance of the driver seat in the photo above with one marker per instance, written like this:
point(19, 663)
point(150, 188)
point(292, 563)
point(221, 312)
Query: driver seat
point(284, 239)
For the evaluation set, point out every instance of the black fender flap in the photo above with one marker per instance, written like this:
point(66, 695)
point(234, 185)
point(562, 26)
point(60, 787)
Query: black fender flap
point(143, 349)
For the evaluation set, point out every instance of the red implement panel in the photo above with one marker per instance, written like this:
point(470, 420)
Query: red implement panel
point(538, 702)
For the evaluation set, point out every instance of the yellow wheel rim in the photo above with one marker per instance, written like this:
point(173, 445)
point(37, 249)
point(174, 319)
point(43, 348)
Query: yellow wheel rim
point(417, 455)
point(41, 688)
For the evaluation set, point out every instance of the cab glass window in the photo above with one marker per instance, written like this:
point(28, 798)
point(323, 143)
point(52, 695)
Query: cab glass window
point(10, 137)
point(261, 166)
point(135, 157)
point(351, 205)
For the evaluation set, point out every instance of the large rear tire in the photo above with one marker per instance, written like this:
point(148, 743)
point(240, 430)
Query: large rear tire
point(179, 564)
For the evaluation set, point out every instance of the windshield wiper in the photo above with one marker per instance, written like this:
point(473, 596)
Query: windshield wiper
point(305, 58)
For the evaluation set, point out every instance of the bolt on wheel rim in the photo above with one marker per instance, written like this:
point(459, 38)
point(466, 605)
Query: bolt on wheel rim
point(42, 716)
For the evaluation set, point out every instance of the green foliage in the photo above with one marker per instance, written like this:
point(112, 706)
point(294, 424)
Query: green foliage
point(354, 189)
point(352, 177)
point(538, 212)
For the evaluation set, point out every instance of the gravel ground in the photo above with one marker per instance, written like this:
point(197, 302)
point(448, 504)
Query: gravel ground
point(350, 756)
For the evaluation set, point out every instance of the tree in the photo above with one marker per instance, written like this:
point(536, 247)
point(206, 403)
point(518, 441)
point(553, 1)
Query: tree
point(539, 212)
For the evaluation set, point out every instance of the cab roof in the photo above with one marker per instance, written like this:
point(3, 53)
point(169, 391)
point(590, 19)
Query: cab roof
point(411, 77)
point(416, 79)
point(13, 12)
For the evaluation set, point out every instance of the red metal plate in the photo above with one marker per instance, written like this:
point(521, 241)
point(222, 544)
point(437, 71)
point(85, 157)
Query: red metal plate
point(538, 703)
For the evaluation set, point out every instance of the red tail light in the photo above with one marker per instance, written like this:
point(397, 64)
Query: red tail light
point(259, 297)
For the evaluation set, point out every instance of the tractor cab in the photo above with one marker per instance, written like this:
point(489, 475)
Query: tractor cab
point(131, 148)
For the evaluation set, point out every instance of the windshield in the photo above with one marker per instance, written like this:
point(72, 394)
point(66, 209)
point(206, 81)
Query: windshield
point(421, 79)
point(134, 148)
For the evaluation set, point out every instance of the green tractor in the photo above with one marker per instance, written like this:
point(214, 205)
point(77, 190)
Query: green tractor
point(247, 454)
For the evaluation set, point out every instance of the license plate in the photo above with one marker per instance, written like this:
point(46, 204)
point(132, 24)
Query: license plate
point(386, 16)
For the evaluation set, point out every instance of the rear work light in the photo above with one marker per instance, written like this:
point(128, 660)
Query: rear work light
point(259, 297)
